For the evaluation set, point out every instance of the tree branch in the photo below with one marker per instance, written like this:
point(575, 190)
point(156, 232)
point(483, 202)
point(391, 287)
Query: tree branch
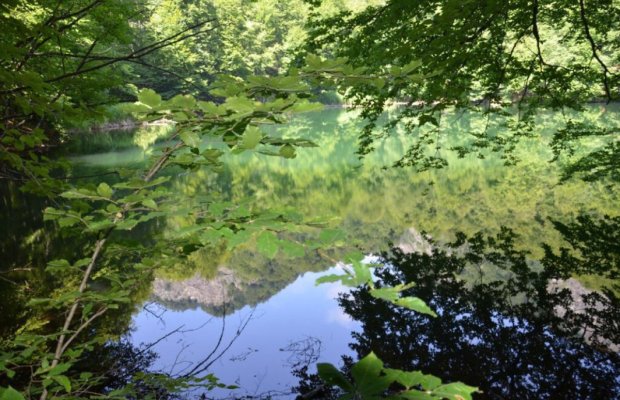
point(136, 54)
point(586, 28)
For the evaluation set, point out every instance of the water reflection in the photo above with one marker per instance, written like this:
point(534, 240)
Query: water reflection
point(252, 347)
point(506, 323)
point(515, 327)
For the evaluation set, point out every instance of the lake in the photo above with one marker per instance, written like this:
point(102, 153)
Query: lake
point(518, 317)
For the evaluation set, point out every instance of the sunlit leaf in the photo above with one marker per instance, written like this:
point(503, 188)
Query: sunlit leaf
point(104, 190)
point(267, 244)
point(415, 304)
point(149, 97)
point(251, 138)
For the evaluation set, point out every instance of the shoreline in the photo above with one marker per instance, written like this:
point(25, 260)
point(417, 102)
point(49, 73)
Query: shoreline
point(131, 124)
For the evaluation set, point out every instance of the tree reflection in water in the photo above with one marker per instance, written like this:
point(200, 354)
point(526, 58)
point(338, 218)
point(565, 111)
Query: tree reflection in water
point(516, 328)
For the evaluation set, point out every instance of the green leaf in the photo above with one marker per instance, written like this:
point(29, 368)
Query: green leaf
point(82, 194)
point(50, 214)
point(150, 203)
point(239, 238)
point(149, 97)
point(10, 394)
point(104, 190)
point(331, 236)
point(429, 382)
point(190, 138)
point(251, 138)
point(267, 244)
point(210, 108)
point(354, 256)
point(386, 293)
point(127, 224)
point(67, 221)
point(330, 375)
point(239, 104)
point(329, 279)
point(183, 101)
point(59, 369)
point(416, 395)
point(100, 225)
point(57, 265)
point(390, 293)
point(362, 273)
point(292, 249)
point(63, 381)
point(455, 391)
point(369, 380)
point(415, 304)
point(368, 368)
point(287, 151)
point(406, 378)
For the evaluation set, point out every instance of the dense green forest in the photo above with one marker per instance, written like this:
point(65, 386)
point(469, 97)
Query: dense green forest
point(280, 137)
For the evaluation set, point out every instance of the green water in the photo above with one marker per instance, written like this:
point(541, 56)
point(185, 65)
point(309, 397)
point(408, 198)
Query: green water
point(376, 205)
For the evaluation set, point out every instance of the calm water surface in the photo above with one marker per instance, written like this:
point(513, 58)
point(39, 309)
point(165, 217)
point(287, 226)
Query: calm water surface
point(254, 321)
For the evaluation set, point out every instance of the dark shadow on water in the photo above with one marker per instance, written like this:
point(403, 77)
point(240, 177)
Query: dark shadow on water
point(514, 327)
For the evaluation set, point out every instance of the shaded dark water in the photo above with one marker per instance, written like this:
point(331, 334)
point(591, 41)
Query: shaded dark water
point(518, 316)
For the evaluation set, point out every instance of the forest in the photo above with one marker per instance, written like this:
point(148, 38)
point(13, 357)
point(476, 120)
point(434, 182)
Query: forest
point(311, 199)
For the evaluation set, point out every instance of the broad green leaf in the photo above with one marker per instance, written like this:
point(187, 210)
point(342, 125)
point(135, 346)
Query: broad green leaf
point(10, 394)
point(149, 97)
point(63, 381)
point(367, 373)
point(65, 222)
point(210, 108)
point(287, 151)
point(354, 256)
point(455, 391)
point(104, 190)
point(330, 236)
point(408, 379)
point(367, 368)
point(267, 244)
point(390, 293)
point(362, 273)
point(239, 238)
point(57, 265)
point(239, 104)
point(150, 203)
point(386, 293)
point(183, 101)
point(190, 138)
point(416, 395)
point(50, 214)
point(251, 138)
point(429, 382)
point(415, 304)
point(292, 249)
point(127, 224)
point(332, 376)
point(59, 369)
point(100, 225)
